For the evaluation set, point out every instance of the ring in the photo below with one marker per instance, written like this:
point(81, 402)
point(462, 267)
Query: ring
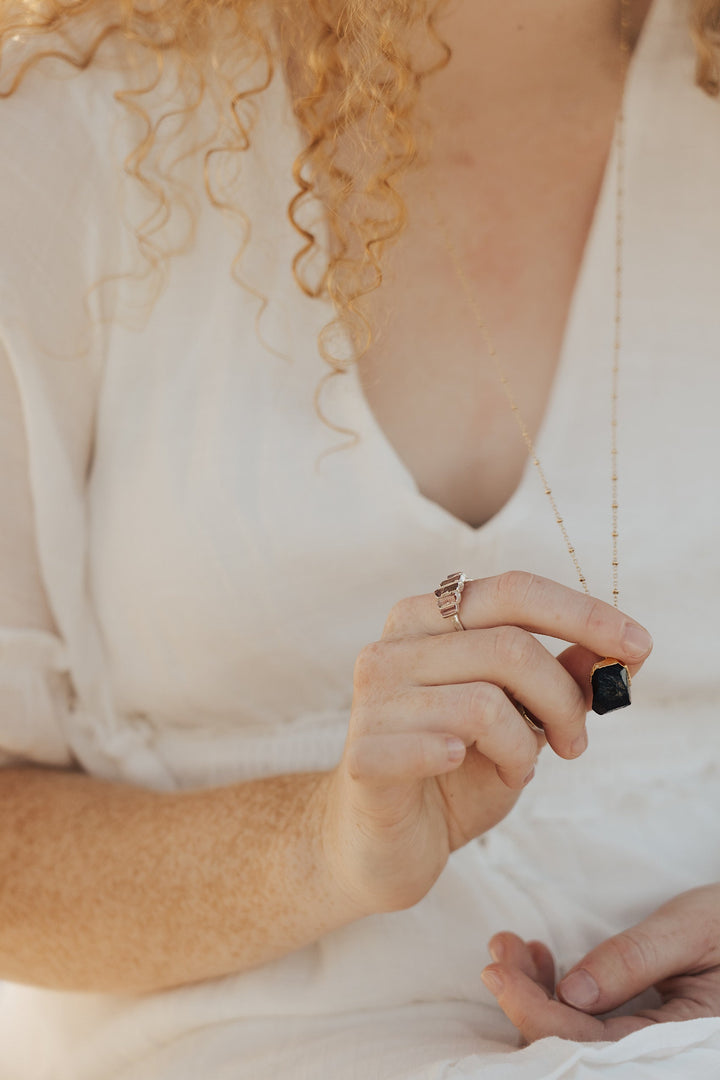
point(528, 718)
point(448, 597)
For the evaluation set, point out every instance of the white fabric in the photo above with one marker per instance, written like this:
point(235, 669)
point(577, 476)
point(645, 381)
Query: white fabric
point(212, 580)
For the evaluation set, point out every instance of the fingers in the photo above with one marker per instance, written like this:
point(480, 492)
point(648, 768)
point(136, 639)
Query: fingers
point(389, 758)
point(686, 997)
point(531, 957)
point(506, 657)
point(396, 758)
point(534, 603)
point(467, 678)
point(532, 1010)
point(544, 965)
point(481, 714)
point(522, 979)
point(508, 948)
point(671, 941)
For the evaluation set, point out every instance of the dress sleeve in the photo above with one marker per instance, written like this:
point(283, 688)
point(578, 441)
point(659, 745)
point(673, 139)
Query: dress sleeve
point(34, 698)
point(35, 690)
point(56, 239)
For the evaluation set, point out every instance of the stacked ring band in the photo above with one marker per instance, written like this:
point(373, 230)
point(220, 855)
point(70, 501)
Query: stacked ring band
point(448, 597)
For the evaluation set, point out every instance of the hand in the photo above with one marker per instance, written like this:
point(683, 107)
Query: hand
point(676, 950)
point(398, 803)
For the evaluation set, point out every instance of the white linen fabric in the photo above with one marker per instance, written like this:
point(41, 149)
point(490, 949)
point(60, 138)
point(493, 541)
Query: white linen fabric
point(211, 578)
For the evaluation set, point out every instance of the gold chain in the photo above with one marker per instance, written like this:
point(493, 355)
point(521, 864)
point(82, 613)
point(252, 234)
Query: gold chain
point(500, 367)
point(619, 231)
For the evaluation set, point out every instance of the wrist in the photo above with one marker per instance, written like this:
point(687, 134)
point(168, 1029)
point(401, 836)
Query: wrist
point(345, 903)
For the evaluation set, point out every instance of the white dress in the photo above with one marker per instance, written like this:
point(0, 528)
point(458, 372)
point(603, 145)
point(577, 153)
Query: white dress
point(213, 579)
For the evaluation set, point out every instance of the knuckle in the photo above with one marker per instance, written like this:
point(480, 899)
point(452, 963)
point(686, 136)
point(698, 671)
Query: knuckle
point(368, 664)
point(596, 617)
point(401, 618)
point(526, 1023)
point(365, 718)
point(634, 951)
point(513, 587)
point(489, 709)
point(483, 704)
point(513, 647)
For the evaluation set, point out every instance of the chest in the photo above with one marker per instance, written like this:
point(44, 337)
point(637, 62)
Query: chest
point(516, 183)
point(236, 572)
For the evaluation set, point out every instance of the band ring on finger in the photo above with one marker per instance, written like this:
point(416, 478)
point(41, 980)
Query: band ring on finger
point(449, 595)
point(528, 718)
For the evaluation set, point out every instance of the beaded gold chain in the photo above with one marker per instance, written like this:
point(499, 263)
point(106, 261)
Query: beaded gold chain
point(499, 364)
point(607, 663)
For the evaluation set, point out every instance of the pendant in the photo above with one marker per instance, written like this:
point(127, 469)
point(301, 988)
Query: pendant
point(610, 681)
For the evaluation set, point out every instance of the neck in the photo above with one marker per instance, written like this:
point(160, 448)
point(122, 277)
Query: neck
point(587, 29)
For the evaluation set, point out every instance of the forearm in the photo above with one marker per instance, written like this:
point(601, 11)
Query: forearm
point(112, 888)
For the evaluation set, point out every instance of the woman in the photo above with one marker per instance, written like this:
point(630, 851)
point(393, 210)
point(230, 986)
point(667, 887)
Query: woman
point(236, 840)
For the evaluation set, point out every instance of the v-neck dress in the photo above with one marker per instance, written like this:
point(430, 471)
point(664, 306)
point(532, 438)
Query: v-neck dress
point(214, 571)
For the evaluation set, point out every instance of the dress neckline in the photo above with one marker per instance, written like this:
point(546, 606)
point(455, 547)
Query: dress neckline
point(551, 430)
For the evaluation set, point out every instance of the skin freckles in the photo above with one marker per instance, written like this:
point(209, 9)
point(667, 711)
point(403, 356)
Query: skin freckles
point(124, 890)
point(112, 888)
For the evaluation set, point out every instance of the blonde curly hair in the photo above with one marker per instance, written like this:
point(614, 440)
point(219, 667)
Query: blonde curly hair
point(355, 69)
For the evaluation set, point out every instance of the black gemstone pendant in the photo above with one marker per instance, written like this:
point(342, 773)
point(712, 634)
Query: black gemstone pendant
point(610, 685)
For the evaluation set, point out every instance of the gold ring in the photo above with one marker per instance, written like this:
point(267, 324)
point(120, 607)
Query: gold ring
point(448, 597)
point(527, 716)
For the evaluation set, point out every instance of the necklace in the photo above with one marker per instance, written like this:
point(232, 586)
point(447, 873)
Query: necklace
point(609, 678)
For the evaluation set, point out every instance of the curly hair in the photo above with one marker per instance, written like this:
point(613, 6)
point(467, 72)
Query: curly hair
point(355, 69)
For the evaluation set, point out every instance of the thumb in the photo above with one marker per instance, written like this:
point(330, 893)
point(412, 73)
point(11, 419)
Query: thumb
point(625, 965)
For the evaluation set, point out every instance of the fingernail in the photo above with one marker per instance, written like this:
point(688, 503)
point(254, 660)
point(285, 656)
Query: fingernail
point(497, 951)
point(529, 776)
point(580, 745)
point(636, 641)
point(493, 982)
point(579, 989)
point(455, 748)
